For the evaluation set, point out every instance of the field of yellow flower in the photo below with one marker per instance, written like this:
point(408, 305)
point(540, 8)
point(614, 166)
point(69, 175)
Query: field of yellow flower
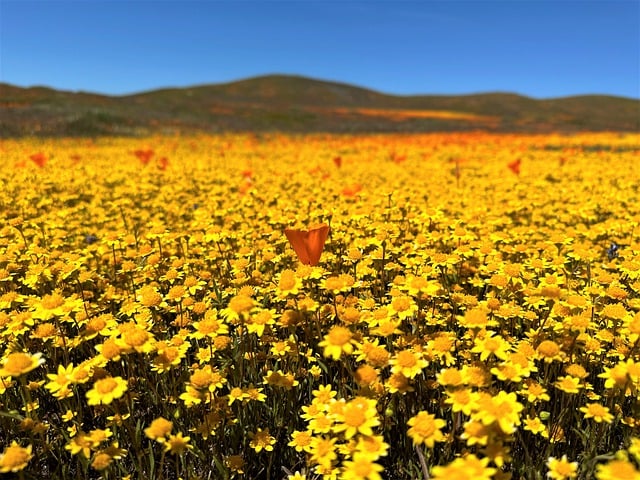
point(474, 313)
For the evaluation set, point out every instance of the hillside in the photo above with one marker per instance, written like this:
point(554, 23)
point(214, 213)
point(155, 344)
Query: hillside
point(298, 104)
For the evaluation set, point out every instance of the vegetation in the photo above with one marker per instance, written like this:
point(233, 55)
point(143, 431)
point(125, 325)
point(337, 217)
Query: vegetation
point(321, 307)
point(296, 104)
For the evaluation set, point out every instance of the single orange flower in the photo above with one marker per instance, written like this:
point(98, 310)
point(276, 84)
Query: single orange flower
point(245, 185)
point(352, 191)
point(308, 244)
point(398, 158)
point(40, 159)
point(144, 155)
point(163, 163)
point(515, 166)
point(337, 161)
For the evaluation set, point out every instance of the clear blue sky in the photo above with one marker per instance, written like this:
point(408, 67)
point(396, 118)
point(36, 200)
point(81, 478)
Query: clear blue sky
point(537, 48)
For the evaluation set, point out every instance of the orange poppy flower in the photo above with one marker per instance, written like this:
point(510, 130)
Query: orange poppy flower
point(515, 166)
point(398, 158)
point(308, 244)
point(352, 191)
point(39, 159)
point(163, 163)
point(245, 184)
point(144, 155)
point(337, 161)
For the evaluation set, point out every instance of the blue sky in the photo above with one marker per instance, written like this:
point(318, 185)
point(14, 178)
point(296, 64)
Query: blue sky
point(537, 48)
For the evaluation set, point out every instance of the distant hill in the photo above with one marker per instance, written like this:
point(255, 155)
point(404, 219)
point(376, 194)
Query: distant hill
point(298, 104)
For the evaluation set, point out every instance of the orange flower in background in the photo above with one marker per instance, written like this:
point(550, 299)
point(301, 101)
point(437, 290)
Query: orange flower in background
point(515, 166)
point(352, 191)
point(163, 163)
point(337, 161)
point(319, 171)
point(398, 158)
point(245, 185)
point(40, 159)
point(308, 244)
point(144, 155)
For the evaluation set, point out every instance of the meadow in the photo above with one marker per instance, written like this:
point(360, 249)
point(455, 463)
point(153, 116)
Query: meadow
point(474, 312)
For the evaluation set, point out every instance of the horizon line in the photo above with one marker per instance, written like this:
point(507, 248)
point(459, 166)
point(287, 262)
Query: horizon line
point(315, 79)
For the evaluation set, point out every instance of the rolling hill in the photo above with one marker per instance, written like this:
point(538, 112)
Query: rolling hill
point(298, 104)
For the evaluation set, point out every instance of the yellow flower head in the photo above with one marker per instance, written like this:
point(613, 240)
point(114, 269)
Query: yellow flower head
point(562, 468)
point(261, 440)
point(18, 363)
point(618, 469)
point(339, 340)
point(358, 416)
point(469, 467)
point(159, 429)
point(598, 412)
point(425, 428)
point(177, 444)
point(409, 363)
point(106, 390)
point(15, 458)
point(503, 409)
point(361, 467)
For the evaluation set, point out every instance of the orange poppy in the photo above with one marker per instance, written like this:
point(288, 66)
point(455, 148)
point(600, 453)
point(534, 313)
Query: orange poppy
point(39, 159)
point(144, 155)
point(352, 191)
point(308, 244)
point(245, 184)
point(337, 161)
point(515, 166)
point(398, 158)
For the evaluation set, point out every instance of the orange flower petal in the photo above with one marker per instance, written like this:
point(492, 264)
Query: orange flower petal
point(308, 244)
